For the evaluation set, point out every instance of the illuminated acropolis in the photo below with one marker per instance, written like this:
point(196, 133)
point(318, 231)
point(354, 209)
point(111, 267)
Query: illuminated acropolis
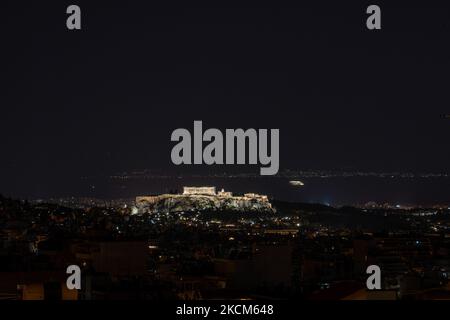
point(203, 198)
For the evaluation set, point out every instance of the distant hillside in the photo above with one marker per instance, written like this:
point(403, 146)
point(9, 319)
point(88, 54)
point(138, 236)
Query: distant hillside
point(344, 217)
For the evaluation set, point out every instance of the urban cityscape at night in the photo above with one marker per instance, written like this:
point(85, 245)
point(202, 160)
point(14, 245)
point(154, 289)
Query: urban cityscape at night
point(204, 244)
point(216, 159)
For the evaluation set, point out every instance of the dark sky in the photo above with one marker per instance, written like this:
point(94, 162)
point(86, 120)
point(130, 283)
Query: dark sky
point(106, 98)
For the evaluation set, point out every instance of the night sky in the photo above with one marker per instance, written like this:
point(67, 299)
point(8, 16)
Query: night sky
point(105, 99)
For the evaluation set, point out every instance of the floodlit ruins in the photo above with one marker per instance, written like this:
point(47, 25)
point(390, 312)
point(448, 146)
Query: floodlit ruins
point(203, 199)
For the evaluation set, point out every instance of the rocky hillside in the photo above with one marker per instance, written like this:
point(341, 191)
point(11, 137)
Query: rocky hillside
point(178, 203)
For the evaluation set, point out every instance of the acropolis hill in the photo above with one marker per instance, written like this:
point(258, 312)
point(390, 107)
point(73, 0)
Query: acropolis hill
point(203, 199)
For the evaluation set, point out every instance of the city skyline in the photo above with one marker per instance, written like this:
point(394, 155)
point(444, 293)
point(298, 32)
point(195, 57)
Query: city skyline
point(252, 157)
